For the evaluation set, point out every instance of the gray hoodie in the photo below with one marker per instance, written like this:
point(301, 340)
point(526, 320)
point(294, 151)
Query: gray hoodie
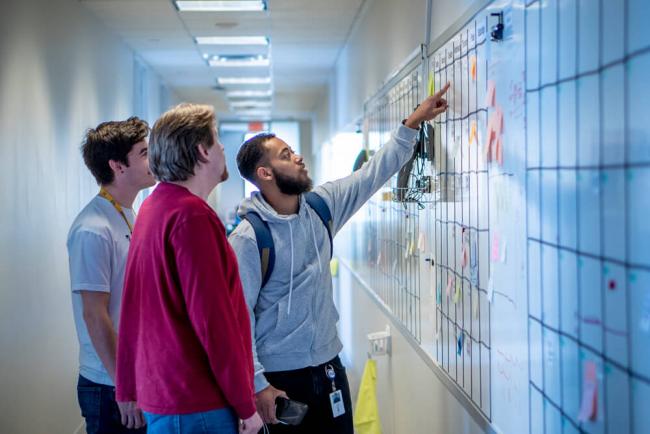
point(293, 318)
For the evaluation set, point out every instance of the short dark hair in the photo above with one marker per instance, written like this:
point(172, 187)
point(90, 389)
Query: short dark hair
point(175, 138)
point(250, 154)
point(111, 141)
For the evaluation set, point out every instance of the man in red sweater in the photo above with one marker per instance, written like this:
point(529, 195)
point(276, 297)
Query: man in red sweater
point(184, 352)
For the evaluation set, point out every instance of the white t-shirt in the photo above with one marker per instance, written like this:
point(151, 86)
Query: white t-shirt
point(98, 244)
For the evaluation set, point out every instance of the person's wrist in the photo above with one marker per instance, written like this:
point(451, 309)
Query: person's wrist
point(411, 123)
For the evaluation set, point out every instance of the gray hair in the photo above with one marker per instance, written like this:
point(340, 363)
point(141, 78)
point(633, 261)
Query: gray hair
point(175, 138)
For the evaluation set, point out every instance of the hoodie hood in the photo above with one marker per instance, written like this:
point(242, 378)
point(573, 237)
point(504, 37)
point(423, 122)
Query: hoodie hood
point(258, 204)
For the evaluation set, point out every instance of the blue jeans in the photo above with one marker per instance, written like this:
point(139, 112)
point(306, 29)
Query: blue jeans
point(98, 407)
point(221, 421)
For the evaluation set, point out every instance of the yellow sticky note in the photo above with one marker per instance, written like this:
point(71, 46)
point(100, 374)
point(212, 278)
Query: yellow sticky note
point(432, 86)
point(334, 267)
point(412, 248)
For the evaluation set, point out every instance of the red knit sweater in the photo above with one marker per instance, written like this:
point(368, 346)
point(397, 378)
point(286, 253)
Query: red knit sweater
point(184, 341)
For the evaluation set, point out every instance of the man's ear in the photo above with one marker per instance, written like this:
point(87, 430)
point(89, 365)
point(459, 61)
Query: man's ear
point(203, 151)
point(264, 173)
point(116, 166)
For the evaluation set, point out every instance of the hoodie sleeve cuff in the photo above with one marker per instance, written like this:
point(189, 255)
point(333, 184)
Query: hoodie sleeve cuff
point(406, 133)
point(260, 382)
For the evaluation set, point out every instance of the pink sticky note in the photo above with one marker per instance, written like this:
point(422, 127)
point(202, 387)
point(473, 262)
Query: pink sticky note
point(498, 121)
point(489, 137)
point(498, 150)
point(449, 283)
point(464, 259)
point(490, 96)
point(589, 405)
point(496, 256)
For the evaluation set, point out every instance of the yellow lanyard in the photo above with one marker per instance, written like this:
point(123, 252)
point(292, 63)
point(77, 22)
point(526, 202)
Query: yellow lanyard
point(106, 195)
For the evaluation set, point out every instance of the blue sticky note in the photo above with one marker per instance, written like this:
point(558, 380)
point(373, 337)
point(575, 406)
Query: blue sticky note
point(439, 293)
point(459, 346)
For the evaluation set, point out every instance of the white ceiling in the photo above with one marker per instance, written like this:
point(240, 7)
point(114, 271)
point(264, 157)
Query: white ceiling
point(306, 37)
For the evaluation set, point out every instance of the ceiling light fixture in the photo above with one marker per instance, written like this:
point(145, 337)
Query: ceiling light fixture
point(232, 40)
point(249, 94)
point(250, 61)
point(244, 80)
point(221, 6)
point(250, 104)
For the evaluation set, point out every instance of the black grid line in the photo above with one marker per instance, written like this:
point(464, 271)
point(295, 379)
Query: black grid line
point(581, 339)
point(456, 212)
point(394, 227)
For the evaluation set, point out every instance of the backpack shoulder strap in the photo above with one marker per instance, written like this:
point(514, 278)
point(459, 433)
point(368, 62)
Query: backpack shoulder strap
point(319, 205)
point(265, 244)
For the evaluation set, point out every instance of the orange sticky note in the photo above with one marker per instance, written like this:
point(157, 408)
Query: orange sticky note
point(491, 95)
point(448, 288)
point(472, 67)
point(472, 132)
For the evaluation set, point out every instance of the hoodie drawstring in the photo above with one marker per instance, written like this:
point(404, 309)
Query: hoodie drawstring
point(291, 272)
point(313, 234)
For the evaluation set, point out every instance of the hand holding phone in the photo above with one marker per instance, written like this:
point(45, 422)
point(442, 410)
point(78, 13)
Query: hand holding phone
point(290, 412)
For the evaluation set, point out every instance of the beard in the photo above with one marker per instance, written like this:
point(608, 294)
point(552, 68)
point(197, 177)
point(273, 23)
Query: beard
point(291, 186)
point(225, 174)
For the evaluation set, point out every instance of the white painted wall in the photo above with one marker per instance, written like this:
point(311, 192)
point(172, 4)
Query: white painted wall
point(61, 72)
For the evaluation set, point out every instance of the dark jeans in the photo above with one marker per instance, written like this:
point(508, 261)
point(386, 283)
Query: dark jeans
point(98, 407)
point(311, 386)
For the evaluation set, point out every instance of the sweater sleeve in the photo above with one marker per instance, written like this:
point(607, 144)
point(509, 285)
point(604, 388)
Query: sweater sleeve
point(346, 195)
point(214, 305)
point(251, 279)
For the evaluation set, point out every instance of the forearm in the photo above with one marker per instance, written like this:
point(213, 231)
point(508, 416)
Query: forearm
point(104, 338)
point(345, 196)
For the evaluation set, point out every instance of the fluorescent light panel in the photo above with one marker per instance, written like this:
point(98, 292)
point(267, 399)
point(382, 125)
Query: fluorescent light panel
point(251, 104)
point(249, 93)
point(218, 61)
point(244, 80)
point(232, 40)
point(220, 6)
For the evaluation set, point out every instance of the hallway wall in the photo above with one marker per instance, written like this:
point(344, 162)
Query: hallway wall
point(61, 72)
point(412, 399)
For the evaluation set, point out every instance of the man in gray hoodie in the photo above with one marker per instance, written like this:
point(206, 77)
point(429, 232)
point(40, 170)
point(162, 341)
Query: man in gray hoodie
point(293, 317)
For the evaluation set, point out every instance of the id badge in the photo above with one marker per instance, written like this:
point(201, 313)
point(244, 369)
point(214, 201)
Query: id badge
point(336, 401)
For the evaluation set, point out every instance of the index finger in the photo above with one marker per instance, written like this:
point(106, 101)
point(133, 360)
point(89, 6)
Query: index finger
point(442, 91)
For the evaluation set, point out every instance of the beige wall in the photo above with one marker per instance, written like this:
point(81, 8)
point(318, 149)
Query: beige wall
point(61, 72)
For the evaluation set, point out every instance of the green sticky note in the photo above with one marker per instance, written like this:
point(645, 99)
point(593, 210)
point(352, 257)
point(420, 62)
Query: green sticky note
point(457, 293)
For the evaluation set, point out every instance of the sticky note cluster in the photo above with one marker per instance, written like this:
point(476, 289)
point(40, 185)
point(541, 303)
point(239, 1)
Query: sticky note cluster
point(495, 127)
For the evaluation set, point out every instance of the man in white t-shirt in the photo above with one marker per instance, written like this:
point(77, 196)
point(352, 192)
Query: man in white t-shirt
point(98, 244)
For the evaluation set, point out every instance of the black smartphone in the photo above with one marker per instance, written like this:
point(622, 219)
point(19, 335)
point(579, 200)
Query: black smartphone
point(290, 412)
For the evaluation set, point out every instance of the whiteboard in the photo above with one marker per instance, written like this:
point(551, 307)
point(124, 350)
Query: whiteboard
point(523, 273)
